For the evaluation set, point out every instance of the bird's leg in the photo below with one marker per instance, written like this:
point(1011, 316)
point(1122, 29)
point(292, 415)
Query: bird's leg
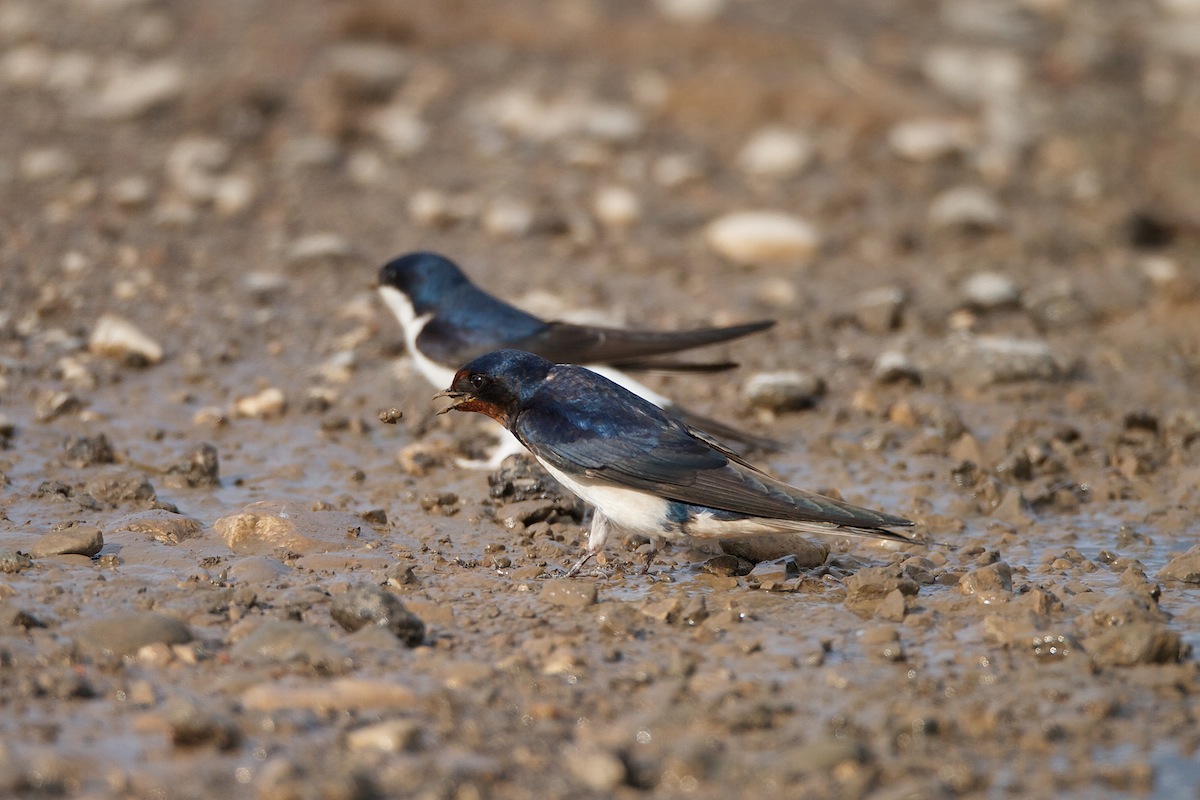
point(650, 554)
point(596, 539)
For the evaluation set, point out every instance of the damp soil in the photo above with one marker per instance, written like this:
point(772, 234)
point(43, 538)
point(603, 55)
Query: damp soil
point(205, 528)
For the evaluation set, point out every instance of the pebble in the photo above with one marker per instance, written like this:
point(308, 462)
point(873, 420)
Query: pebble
point(131, 192)
point(1184, 567)
point(1057, 305)
point(82, 540)
point(508, 218)
point(116, 488)
point(44, 164)
point(52, 405)
point(989, 585)
point(339, 695)
point(1137, 643)
point(201, 469)
point(84, 451)
point(780, 570)
point(129, 90)
point(569, 593)
point(280, 641)
point(925, 140)
point(193, 165)
point(123, 635)
point(894, 366)
point(373, 605)
point(595, 767)
point(266, 527)
point(881, 310)
point(974, 74)
point(400, 129)
point(524, 512)
point(116, 337)
point(162, 526)
point(319, 247)
point(775, 152)
point(988, 290)
point(616, 206)
point(786, 390)
point(969, 207)
point(690, 11)
point(256, 571)
point(389, 736)
point(269, 402)
point(867, 588)
point(804, 553)
point(367, 68)
point(882, 642)
point(521, 112)
point(987, 360)
point(13, 561)
point(762, 237)
point(191, 724)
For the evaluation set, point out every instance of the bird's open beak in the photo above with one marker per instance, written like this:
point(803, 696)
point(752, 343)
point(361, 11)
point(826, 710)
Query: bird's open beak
point(459, 398)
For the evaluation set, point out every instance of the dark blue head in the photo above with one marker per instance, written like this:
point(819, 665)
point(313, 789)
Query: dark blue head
point(498, 383)
point(425, 278)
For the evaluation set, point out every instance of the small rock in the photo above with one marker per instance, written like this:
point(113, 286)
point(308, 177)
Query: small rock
point(893, 607)
point(805, 553)
point(364, 605)
point(1139, 643)
point(725, 566)
point(509, 218)
point(82, 540)
point(778, 571)
point(366, 68)
point(123, 635)
point(787, 390)
point(13, 561)
point(270, 402)
point(991, 584)
point(118, 338)
point(162, 526)
point(1184, 567)
point(987, 360)
point(974, 74)
point(44, 164)
point(340, 695)
point(319, 247)
point(881, 310)
point(596, 768)
point(762, 237)
point(775, 152)
point(389, 736)
point(616, 206)
point(52, 405)
point(966, 207)
point(83, 451)
point(893, 366)
point(400, 129)
point(267, 527)
point(191, 725)
point(201, 469)
point(690, 11)
point(280, 641)
point(930, 139)
point(129, 90)
point(883, 642)
point(987, 290)
point(524, 512)
point(569, 593)
point(868, 587)
point(1057, 305)
point(120, 487)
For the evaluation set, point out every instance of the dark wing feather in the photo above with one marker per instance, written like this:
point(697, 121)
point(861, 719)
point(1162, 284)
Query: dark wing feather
point(562, 342)
point(596, 428)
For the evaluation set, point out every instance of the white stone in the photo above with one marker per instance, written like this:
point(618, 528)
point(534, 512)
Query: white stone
point(270, 402)
point(675, 169)
point(233, 194)
point(691, 11)
point(990, 290)
point(930, 139)
point(131, 90)
point(508, 218)
point(115, 337)
point(973, 74)
point(130, 192)
point(46, 164)
point(776, 152)
point(192, 165)
point(762, 237)
point(616, 206)
point(368, 66)
point(319, 247)
point(966, 206)
point(520, 111)
point(26, 65)
point(400, 129)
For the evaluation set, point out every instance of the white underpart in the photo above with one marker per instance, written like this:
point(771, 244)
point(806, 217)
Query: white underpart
point(441, 376)
point(627, 509)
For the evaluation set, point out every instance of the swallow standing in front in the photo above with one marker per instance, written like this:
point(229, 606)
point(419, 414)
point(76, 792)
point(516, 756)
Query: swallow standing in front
point(641, 469)
point(448, 321)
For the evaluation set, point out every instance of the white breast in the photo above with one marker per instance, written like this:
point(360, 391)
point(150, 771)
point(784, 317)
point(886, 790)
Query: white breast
point(412, 325)
point(627, 509)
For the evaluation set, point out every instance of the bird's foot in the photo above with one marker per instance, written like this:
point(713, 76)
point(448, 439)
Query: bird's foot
point(578, 565)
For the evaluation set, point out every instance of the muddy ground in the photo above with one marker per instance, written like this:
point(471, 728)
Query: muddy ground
point(989, 263)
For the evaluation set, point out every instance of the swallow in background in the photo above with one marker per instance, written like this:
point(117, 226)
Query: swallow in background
point(448, 321)
point(643, 470)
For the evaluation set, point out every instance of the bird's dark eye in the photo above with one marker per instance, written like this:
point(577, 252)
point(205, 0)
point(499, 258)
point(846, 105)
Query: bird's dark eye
point(478, 381)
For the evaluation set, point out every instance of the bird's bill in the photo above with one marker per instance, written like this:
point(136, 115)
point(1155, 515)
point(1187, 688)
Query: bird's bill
point(460, 399)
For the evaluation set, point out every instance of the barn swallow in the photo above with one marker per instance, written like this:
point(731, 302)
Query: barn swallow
point(643, 470)
point(448, 321)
